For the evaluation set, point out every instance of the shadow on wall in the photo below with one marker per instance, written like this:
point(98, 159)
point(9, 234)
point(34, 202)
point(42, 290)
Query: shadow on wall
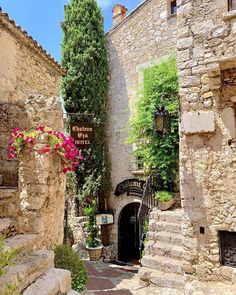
point(118, 117)
point(12, 115)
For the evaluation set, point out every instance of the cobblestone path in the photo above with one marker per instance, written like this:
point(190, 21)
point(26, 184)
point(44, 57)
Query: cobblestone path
point(109, 279)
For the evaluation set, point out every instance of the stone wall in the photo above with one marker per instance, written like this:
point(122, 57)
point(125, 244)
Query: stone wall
point(207, 67)
point(23, 71)
point(41, 180)
point(139, 41)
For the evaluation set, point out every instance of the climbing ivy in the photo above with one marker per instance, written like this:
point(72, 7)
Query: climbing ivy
point(84, 90)
point(158, 152)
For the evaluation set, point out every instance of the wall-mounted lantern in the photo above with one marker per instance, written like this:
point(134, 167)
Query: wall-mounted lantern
point(162, 121)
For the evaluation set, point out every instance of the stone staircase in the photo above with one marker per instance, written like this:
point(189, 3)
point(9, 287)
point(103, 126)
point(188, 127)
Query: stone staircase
point(33, 271)
point(162, 261)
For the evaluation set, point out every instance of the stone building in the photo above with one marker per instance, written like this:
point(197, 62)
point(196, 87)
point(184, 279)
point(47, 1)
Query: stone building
point(137, 41)
point(192, 248)
point(32, 191)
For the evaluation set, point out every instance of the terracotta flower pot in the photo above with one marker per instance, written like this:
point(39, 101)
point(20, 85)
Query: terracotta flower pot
point(166, 205)
point(94, 253)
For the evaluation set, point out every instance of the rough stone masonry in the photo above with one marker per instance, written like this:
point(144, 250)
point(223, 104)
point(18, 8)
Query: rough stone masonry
point(207, 68)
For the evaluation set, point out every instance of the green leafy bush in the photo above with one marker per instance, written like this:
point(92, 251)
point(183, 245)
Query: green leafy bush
point(67, 258)
point(6, 257)
point(164, 196)
point(6, 260)
point(92, 230)
point(157, 152)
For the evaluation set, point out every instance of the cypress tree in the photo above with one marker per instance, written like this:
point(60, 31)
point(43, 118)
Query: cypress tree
point(84, 89)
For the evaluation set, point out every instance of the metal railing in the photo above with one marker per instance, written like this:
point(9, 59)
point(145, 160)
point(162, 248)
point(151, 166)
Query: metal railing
point(147, 204)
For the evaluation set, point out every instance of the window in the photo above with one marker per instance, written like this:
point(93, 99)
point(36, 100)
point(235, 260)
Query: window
point(173, 7)
point(232, 5)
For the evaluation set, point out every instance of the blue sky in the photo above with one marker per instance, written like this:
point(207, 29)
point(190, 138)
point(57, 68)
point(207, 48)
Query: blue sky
point(41, 18)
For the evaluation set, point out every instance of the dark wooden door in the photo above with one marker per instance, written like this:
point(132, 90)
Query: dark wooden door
point(129, 233)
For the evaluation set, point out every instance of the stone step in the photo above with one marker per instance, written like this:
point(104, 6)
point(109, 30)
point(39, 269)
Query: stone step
point(149, 250)
point(54, 282)
point(72, 292)
point(8, 192)
point(165, 264)
point(168, 250)
point(161, 279)
point(157, 226)
point(7, 227)
point(27, 270)
point(22, 243)
point(9, 202)
point(165, 237)
point(172, 216)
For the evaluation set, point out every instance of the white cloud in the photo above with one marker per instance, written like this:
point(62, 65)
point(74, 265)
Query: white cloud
point(104, 3)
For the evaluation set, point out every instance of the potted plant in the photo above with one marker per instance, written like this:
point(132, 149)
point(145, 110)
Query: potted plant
point(93, 244)
point(165, 200)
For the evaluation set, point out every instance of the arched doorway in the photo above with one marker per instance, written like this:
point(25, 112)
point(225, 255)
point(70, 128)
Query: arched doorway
point(129, 234)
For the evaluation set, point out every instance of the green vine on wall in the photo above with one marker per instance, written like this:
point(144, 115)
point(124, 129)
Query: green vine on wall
point(84, 90)
point(154, 151)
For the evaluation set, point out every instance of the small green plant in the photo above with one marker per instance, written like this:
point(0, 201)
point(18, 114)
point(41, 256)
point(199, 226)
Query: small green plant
point(6, 257)
point(67, 258)
point(6, 260)
point(164, 196)
point(92, 230)
point(11, 289)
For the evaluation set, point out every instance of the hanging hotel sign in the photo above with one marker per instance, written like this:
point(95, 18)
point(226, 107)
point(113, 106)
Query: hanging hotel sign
point(103, 219)
point(133, 187)
point(83, 134)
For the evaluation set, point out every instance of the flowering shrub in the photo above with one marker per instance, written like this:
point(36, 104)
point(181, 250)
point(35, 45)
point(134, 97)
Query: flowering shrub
point(58, 143)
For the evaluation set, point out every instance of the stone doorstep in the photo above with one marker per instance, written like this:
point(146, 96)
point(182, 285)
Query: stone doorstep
point(174, 216)
point(54, 282)
point(161, 279)
point(8, 192)
point(6, 224)
point(165, 264)
point(22, 243)
point(28, 269)
point(168, 250)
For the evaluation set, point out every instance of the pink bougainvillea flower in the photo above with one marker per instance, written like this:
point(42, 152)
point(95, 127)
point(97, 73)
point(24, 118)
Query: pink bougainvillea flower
point(44, 150)
point(40, 128)
point(58, 144)
point(29, 139)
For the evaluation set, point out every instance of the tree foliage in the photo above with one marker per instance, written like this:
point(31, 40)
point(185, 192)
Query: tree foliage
point(158, 152)
point(84, 88)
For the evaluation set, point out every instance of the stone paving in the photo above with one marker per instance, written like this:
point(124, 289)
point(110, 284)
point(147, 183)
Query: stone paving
point(109, 279)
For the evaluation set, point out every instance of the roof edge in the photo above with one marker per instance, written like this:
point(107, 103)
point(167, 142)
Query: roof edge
point(130, 15)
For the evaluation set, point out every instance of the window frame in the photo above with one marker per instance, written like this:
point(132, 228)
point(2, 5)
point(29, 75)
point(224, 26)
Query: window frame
point(170, 12)
point(174, 7)
point(230, 5)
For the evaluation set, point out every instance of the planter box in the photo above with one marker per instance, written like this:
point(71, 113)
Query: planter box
point(166, 205)
point(94, 253)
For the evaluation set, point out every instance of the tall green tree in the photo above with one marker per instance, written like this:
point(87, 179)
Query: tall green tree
point(84, 89)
